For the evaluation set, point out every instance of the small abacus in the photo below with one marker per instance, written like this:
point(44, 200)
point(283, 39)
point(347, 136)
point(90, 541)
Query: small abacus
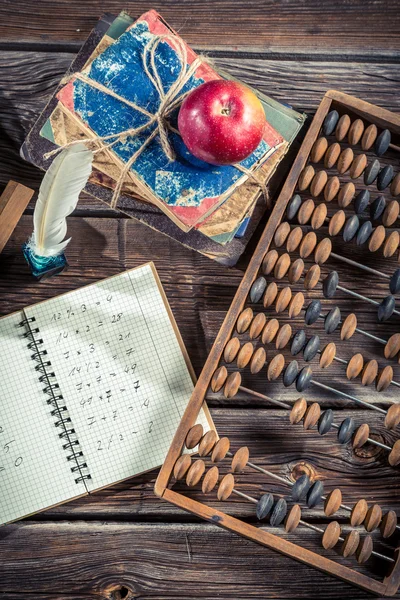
point(267, 333)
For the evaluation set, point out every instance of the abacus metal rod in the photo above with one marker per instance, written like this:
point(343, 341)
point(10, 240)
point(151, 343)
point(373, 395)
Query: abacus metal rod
point(361, 297)
point(358, 265)
point(346, 362)
point(349, 396)
point(362, 331)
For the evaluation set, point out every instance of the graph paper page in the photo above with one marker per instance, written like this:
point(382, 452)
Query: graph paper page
point(34, 470)
point(121, 370)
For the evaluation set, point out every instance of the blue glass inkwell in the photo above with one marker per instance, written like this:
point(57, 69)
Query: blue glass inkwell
point(44, 266)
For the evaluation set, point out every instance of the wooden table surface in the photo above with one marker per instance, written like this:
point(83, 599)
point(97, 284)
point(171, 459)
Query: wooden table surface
point(124, 542)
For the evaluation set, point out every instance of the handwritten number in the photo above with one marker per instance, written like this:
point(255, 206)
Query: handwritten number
point(99, 445)
point(18, 461)
point(150, 426)
point(6, 446)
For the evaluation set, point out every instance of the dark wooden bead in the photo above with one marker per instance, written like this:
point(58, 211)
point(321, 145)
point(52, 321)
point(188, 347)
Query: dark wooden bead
point(384, 178)
point(386, 308)
point(264, 506)
point(382, 142)
point(290, 374)
point(293, 207)
point(350, 228)
point(298, 342)
point(325, 421)
point(332, 320)
point(279, 513)
point(303, 379)
point(346, 430)
point(330, 284)
point(330, 122)
point(372, 171)
point(311, 348)
point(364, 233)
point(377, 207)
point(257, 289)
point(313, 312)
point(314, 494)
point(361, 201)
point(300, 488)
point(394, 284)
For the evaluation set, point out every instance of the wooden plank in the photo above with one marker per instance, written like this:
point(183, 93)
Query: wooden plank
point(293, 24)
point(13, 202)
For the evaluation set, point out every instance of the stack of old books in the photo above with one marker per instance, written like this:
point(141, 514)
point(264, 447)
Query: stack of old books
point(107, 90)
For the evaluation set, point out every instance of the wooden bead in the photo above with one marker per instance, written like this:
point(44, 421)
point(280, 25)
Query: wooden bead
point(355, 132)
point(354, 366)
point(298, 411)
point(332, 155)
point(306, 176)
point(312, 277)
point(231, 350)
point(361, 202)
point(308, 244)
point(369, 137)
point(346, 430)
point(395, 186)
point(298, 342)
point(364, 549)
point(264, 506)
point(269, 261)
point(318, 183)
point(296, 270)
point(377, 238)
point(225, 487)
point(311, 348)
point(372, 172)
point(358, 513)
point(319, 216)
point(391, 244)
point(244, 320)
point(275, 367)
point(290, 373)
point(348, 327)
point(394, 282)
point(296, 305)
point(207, 443)
point(333, 502)
point(327, 356)
point(344, 161)
point(393, 346)
point(232, 384)
point(219, 378)
point(342, 127)
point(332, 320)
point(332, 188)
point(300, 488)
point(394, 455)
point(323, 251)
point(258, 360)
point(351, 543)
point(336, 223)
point(283, 299)
point(278, 513)
point(305, 211)
point(361, 436)
point(370, 372)
point(382, 142)
point(195, 472)
point(270, 294)
point(245, 354)
point(358, 166)
point(293, 206)
point(385, 177)
point(325, 422)
point(240, 459)
point(312, 415)
point(392, 418)
point(270, 331)
point(384, 378)
point(388, 524)
point(182, 466)
point(283, 336)
point(257, 325)
point(391, 213)
point(220, 450)
point(346, 194)
point(331, 535)
point(282, 266)
point(294, 239)
point(257, 289)
point(318, 150)
point(293, 518)
point(330, 122)
point(373, 518)
point(194, 436)
point(281, 234)
point(210, 480)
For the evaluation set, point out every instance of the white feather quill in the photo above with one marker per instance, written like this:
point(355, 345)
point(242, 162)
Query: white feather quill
point(58, 197)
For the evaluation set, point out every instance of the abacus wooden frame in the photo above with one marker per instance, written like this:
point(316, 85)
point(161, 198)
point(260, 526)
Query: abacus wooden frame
point(390, 584)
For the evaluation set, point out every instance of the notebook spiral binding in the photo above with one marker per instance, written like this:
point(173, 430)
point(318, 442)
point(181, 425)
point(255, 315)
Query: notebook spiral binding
point(56, 400)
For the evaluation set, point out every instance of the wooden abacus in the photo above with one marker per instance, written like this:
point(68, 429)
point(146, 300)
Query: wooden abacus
point(248, 330)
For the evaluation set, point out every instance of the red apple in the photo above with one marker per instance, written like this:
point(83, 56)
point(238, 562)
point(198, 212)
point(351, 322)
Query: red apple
point(221, 122)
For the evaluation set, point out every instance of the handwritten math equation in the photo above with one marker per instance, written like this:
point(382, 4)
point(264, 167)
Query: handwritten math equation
point(10, 457)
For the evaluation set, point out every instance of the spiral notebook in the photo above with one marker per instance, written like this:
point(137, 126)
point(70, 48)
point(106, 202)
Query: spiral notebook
point(93, 386)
